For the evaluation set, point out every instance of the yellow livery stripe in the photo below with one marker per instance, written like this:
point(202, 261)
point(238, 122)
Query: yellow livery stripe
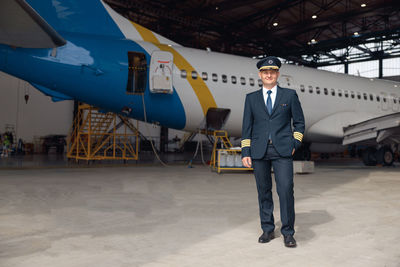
point(245, 143)
point(146, 34)
point(298, 136)
point(200, 88)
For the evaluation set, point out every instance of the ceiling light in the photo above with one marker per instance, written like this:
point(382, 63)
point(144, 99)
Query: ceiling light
point(275, 24)
point(363, 5)
point(356, 34)
point(216, 8)
point(313, 41)
point(314, 16)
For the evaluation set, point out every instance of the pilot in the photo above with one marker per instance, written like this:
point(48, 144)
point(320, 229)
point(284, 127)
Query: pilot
point(269, 139)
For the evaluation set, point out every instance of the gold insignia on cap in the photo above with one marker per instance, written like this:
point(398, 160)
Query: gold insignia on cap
point(246, 143)
point(298, 136)
point(269, 68)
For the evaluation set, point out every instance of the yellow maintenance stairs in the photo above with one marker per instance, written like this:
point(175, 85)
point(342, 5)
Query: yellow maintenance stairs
point(102, 136)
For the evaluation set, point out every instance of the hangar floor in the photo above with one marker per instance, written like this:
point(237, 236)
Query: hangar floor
point(347, 215)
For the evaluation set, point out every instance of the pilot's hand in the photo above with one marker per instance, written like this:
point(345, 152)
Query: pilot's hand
point(246, 162)
point(293, 151)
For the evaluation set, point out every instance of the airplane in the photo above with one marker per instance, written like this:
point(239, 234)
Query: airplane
point(86, 51)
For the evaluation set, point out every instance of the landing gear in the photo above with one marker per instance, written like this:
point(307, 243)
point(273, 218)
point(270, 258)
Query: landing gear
point(369, 156)
point(385, 156)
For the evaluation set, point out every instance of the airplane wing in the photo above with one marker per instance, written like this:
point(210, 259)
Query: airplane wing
point(384, 129)
point(22, 26)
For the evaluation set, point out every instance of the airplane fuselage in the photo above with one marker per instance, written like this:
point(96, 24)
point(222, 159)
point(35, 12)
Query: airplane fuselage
point(100, 70)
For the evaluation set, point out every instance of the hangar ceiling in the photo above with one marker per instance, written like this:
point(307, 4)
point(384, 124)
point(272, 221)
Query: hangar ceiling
point(309, 32)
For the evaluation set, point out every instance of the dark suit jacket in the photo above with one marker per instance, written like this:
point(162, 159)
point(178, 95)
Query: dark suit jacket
point(258, 124)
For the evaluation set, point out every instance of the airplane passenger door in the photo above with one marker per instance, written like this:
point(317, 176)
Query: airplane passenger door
point(161, 72)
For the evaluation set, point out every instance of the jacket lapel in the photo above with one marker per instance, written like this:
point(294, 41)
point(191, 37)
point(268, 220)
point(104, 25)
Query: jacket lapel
point(278, 98)
point(260, 101)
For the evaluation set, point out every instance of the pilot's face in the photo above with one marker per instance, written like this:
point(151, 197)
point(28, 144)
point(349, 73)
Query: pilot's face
point(269, 78)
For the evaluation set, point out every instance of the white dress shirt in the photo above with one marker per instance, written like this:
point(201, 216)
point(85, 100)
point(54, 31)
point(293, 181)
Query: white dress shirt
point(273, 95)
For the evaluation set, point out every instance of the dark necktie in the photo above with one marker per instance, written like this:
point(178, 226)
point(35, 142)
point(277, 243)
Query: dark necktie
point(269, 102)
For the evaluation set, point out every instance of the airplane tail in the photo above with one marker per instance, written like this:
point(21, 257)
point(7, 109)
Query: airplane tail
point(41, 24)
point(77, 16)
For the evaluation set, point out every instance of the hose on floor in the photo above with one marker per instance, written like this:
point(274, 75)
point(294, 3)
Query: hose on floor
point(147, 128)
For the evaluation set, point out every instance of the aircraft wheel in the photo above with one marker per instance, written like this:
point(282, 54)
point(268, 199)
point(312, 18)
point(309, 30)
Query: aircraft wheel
point(385, 156)
point(369, 156)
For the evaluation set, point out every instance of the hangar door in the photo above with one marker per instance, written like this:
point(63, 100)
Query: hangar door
point(161, 72)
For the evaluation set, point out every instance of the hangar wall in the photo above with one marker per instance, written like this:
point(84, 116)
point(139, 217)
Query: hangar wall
point(39, 117)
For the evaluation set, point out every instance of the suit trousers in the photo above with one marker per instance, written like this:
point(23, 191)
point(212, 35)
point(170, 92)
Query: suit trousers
point(283, 172)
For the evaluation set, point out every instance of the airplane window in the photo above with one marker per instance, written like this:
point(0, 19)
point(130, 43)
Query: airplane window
point(346, 93)
point(215, 77)
point(302, 88)
point(339, 93)
point(137, 72)
point(333, 92)
point(259, 83)
point(233, 78)
point(365, 96)
point(378, 98)
point(183, 74)
point(352, 94)
point(224, 78)
point(326, 91)
point(242, 81)
point(251, 80)
point(371, 97)
point(310, 89)
point(204, 75)
point(384, 99)
point(358, 95)
point(394, 100)
point(194, 75)
point(317, 90)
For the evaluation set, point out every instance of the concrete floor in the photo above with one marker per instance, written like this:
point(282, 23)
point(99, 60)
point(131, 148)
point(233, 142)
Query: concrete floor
point(347, 215)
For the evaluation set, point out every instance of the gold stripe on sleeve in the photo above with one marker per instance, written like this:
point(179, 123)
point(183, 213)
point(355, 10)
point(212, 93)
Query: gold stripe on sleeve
point(298, 136)
point(246, 143)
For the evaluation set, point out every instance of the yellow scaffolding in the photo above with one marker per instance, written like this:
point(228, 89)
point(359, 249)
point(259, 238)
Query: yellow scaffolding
point(219, 135)
point(228, 149)
point(94, 136)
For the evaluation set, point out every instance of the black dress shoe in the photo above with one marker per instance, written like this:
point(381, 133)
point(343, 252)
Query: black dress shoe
point(266, 237)
point(289, 241)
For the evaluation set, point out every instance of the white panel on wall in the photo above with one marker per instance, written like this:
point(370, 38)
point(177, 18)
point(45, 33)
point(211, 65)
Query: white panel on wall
point(39, 117)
